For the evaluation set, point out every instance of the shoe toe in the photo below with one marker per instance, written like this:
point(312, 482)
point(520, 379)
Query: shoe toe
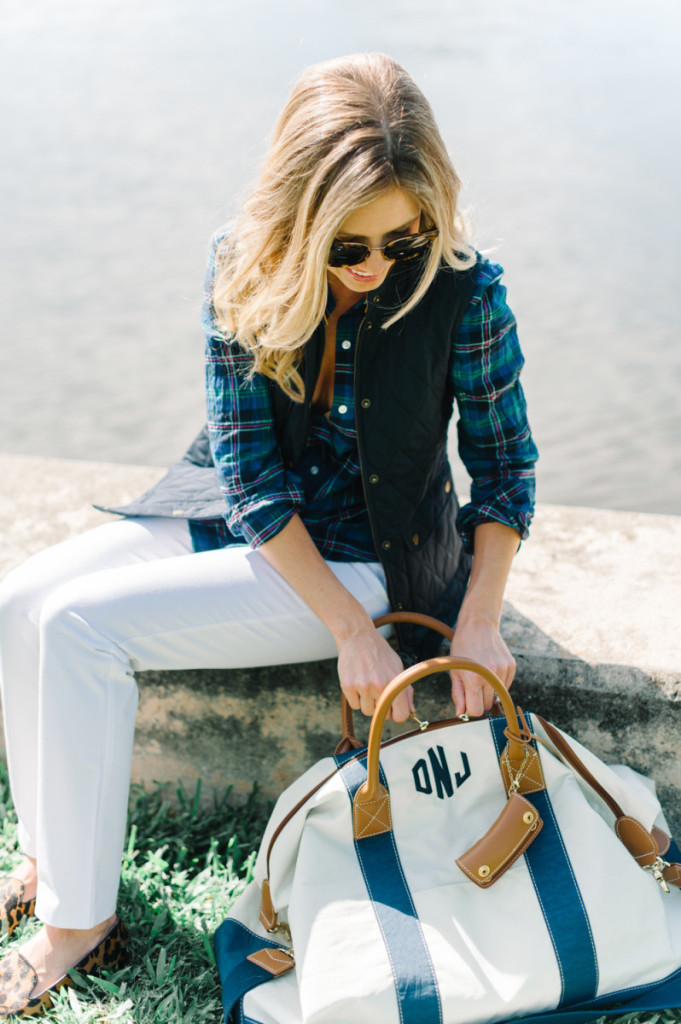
point(17, 981)
point(18, 978)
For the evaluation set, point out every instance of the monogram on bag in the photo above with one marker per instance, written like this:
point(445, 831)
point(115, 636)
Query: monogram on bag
point(465, 872)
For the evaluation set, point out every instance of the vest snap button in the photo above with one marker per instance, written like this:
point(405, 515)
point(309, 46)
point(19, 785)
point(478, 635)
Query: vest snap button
point(448, 486)
point(376, 300)
point(400, 606)
point(415, 540)
point(366, 402)
point(385, 545)
point(373, 479)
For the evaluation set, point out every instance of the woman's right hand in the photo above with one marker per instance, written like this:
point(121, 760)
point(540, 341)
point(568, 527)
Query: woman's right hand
point(366, 664)
point(366, 661)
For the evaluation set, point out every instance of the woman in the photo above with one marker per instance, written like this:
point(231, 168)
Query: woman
point(346, 312)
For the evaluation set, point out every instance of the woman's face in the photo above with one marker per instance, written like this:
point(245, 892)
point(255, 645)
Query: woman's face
point(393, 214)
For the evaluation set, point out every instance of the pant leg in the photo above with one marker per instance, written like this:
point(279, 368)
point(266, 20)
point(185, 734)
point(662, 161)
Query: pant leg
point(23, 593)
point(225, 608)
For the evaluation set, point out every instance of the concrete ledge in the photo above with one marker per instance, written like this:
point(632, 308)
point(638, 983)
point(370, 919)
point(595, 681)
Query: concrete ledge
point(591, 618)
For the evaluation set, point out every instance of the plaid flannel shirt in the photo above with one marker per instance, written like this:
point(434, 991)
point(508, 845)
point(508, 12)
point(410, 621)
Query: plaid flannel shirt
point(325, 488)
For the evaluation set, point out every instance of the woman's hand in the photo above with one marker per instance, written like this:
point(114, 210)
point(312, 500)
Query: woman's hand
point(366, 664)
point(477, 633)
point(366, 661)
point(481, 641)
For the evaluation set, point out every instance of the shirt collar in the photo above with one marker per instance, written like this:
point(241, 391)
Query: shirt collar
point(359, 306)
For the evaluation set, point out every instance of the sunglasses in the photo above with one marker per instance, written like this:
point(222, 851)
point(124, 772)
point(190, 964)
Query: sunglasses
point(349, 254)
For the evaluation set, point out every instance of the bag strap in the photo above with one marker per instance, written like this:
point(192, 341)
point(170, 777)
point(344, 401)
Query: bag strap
point(566, 753)
point(646, 847)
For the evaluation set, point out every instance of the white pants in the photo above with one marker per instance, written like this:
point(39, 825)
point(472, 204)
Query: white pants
point(76, 621)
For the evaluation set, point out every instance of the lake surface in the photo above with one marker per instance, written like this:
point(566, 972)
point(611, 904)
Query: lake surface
point(131, 128)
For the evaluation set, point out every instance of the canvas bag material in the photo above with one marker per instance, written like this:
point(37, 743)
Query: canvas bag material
point(387, 927)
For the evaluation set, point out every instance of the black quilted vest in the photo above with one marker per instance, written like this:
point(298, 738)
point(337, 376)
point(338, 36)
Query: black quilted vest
point(403, 405)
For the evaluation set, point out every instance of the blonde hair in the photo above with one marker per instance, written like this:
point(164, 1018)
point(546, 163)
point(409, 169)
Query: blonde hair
point(352, 128)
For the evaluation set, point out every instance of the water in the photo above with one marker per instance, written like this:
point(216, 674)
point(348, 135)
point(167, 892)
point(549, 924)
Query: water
point(130, 129)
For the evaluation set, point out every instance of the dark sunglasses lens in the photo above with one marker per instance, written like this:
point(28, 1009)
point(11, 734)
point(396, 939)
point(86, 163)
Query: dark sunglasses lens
point(348, 254)
point(404, 248)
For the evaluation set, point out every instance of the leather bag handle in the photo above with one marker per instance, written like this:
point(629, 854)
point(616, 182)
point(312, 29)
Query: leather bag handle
point(371, 804)
point(349, 741)
point(417, 619)
point(412, 675)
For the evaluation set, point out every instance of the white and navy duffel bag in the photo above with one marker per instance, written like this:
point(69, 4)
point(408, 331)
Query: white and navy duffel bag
point(464, 872)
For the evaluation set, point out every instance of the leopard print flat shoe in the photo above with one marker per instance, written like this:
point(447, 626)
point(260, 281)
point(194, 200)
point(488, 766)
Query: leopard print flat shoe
point(13, 906)
point(18, 978)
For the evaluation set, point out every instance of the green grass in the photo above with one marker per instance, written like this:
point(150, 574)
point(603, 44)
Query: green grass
point(184, 865)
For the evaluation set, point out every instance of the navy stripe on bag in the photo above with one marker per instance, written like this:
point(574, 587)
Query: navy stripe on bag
point(559, 897)
point(416, 986)
point(233, 942)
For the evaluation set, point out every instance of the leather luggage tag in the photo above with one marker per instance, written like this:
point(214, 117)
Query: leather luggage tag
point(510, 835)
point(275, 961)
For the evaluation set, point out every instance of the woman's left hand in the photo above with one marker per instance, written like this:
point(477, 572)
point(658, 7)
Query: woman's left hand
point(481, 641)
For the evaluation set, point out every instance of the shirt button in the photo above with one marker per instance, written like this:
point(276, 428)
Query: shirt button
point(314, 470)
point(178, 511)
point(346, 344)
point(373, 479)
point(366, 402)
point(342, 409)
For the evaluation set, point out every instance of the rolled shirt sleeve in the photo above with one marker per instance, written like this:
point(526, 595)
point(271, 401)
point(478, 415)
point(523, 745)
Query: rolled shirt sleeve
point(495, 442)
point(261, 495)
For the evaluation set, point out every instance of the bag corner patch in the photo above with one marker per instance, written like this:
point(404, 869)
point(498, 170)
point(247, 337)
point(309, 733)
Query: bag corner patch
point(275, 961)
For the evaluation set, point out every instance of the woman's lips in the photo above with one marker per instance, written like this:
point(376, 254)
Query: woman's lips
point(358, 276)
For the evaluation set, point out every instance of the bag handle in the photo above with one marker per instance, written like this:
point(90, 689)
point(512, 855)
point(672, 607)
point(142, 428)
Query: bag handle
point(518, 762)
point(647, 847)
point(348, 740)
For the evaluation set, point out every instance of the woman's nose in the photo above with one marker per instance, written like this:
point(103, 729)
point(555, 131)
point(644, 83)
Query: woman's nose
point(375, 264)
